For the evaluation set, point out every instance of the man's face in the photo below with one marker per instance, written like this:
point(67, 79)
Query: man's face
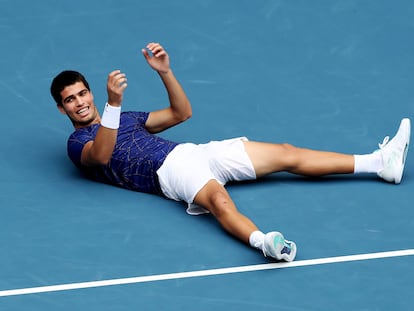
point(77, 104)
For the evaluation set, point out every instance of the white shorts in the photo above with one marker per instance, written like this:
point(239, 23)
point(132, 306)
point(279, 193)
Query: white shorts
point(189, 167)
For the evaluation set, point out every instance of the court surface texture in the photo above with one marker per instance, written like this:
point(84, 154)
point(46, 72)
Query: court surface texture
point(329, 75)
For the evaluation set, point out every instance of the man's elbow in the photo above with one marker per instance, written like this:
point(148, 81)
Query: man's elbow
point(97, 160)
point(94, 154)
point(103, 162)
point(187, 114)
point(183, 115)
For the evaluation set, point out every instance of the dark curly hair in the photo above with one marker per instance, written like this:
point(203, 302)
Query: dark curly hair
point(64, 79)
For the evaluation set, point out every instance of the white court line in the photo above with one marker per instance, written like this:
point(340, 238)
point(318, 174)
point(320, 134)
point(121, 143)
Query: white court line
point(200, 273)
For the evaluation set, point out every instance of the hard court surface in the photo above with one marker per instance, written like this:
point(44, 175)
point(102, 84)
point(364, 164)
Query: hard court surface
point(331, 75)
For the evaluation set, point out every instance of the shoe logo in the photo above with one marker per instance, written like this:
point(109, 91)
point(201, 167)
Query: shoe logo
point(277, 241)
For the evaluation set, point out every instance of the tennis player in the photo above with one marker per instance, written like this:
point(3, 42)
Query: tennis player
point(123, 149)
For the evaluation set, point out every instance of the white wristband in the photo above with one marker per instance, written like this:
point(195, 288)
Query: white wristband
point(110, 117)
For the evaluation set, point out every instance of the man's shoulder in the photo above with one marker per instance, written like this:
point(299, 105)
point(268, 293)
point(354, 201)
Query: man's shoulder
point(134, 113)
point(87, 131)
point(135, 116)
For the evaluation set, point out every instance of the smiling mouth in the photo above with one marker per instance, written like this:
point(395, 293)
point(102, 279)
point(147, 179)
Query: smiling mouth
point(83, 110)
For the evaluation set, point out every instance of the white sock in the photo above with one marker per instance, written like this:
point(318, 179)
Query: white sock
point(368, 163)
point(256, 239)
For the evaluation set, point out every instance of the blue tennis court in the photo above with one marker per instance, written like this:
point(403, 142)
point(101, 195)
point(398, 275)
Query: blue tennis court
point(330, 75)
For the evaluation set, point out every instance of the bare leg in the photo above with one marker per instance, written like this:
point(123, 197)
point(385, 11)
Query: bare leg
point(216, 199)
point(269, 158)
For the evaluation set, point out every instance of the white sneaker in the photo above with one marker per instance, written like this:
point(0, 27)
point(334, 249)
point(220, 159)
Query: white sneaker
point(394, 153)
point(277, 247)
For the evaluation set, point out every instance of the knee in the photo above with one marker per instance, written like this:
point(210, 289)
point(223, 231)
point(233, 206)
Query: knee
point(288, 148)
point(221, 204)
point(291, 155)
point(216, 199)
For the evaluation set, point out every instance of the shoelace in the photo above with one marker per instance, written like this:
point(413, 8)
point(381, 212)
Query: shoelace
point(384, 142)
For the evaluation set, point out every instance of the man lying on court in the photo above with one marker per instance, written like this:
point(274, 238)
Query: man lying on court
point(122, 149)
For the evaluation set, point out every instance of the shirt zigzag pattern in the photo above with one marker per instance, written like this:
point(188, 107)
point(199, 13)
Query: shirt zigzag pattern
point(137, 156)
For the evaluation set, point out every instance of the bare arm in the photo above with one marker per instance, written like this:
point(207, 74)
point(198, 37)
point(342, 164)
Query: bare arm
point(99, 151)
point(180, 107)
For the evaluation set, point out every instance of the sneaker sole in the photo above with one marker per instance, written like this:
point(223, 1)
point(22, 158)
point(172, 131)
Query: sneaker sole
point(406, 125)
point(292, 254)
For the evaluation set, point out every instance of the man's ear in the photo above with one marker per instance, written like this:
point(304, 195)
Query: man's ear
point(61, 109)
